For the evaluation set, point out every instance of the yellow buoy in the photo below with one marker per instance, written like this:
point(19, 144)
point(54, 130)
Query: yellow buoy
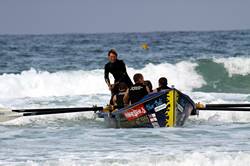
point(145, 46)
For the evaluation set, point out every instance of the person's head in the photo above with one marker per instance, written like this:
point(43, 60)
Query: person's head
point(138, 78)
point(122, 87)
point(163, 81)
point(112, 55)
point(149, 85)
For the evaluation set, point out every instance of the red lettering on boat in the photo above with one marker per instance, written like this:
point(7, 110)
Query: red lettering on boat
point(135, 112)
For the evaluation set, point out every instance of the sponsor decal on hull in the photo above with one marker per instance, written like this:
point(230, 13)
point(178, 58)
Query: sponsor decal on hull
point(135, 112)
point(152, 118)
point(160, 107)
point(151, 105)
point(180, 108)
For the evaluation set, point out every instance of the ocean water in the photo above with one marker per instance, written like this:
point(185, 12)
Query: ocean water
point(45, 71)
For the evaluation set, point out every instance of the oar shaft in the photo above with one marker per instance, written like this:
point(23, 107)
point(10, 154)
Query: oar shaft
point(62, 110)
point(224, 109)
point(51, 112)
point(227, 105)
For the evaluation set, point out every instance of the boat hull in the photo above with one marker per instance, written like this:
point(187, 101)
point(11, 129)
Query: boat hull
point(168, 108)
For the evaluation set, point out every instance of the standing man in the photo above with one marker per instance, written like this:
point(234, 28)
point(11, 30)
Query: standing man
point(118, 69)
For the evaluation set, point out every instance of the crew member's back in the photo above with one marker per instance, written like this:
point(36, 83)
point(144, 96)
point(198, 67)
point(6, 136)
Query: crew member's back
point(137, 91)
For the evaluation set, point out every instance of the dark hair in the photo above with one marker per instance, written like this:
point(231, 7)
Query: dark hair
point(149, 85)
point(163, 81)
point(113, 52)
point(137, 77)
point(122, 86)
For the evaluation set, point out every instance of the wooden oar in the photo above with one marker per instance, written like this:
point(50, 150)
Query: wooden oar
point(8, 114)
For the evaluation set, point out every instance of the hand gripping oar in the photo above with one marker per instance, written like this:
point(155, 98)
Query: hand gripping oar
point(223, 107)
point(8, 114)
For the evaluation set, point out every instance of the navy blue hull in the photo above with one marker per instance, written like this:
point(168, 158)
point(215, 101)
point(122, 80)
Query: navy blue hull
point(167, 108)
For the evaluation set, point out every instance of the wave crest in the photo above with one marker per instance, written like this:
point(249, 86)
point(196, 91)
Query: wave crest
point(235, 65)
point(33, 83)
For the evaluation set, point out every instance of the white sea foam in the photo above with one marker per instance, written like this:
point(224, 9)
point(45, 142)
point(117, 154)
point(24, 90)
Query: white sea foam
point(187, 159)
point(235, 65)
point(34, 83)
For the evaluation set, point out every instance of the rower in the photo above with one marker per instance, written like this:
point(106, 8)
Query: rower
point(118, 98)
point(163, 84)
point(137, 91)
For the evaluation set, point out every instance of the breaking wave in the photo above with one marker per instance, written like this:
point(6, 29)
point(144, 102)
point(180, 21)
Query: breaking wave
point(235, 65)
point(224, 75)
point(33, 83)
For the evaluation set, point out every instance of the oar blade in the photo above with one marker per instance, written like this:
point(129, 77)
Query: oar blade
point(7, 115)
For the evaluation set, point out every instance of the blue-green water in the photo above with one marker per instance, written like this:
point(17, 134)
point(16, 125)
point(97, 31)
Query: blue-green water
point(67, 71)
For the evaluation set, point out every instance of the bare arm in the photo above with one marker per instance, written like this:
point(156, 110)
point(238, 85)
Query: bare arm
point(147, 88)
point(114, 100)
point(126, 97)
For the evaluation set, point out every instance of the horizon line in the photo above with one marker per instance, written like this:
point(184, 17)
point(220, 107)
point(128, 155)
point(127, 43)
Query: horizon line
point(154, 31)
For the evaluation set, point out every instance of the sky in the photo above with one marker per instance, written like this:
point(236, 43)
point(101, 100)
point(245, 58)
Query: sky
point(104, 16)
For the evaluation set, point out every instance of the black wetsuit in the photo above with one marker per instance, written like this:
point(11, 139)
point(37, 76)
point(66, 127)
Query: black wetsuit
point(137, 92)
point(163, 88)
point(118, 70)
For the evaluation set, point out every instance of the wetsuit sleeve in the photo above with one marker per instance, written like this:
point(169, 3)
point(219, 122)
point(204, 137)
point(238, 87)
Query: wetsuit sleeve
point(123, 67)
point(123, 70)
point(106, 74)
